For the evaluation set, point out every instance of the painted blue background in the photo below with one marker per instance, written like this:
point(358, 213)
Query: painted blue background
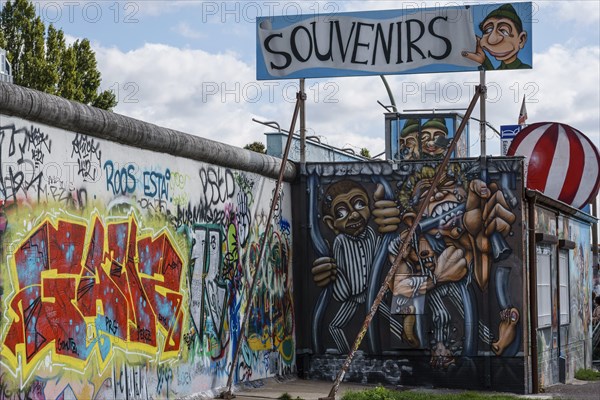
point(479, 12)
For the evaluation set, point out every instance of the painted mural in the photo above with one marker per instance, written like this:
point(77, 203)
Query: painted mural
point(414, 137)
point(567, 335)
point(124, 273)
point(456, 301)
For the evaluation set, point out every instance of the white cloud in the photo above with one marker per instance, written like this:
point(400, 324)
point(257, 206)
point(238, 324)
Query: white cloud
point(581, 12)
point(185, 30)
point(70, 40)
point(569, 87)
point(216, 95)
point(181, 89)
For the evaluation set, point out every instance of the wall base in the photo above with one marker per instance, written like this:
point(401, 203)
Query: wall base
point(417, 371)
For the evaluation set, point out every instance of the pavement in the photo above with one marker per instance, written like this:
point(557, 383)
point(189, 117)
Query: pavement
point(313, 390)
point(576, 390)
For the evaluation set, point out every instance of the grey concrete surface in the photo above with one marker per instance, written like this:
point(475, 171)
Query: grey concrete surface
point(576, 390)
point(313, 390)
point(58, 112)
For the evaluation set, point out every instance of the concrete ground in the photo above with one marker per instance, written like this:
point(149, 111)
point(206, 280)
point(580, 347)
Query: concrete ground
point(305, 389)
point(313, 390)
point(576, 390)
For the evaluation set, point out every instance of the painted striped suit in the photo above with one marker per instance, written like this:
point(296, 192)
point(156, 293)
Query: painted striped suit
point(354, 257)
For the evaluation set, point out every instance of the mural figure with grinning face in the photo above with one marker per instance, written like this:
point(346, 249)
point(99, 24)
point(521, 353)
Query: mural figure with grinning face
point(457, 250)
point(453, 245)
point(427, 141)
point(346, 211)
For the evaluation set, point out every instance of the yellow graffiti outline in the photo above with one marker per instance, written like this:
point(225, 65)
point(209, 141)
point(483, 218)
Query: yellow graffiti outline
point(16, 363)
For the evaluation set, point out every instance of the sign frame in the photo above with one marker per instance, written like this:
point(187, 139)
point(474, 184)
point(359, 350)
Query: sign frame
point(288, 46)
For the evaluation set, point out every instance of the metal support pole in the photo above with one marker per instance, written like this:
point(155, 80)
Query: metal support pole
point(482, 123)
point(401, 254)
point(228, 394)
point(389, 92)
point(595, 235)
point(302, 125)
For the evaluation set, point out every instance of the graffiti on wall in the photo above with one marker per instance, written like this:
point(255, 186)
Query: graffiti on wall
point(566, 295)
point(24, 150)
point(80, 293)
point(125, 277)
point(452, 295)
point(207, 303)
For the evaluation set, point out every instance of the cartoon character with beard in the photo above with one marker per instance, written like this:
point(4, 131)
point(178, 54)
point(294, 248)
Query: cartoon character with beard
point(451, 246)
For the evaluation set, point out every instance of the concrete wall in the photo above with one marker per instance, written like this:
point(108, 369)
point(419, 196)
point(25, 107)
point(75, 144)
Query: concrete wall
point(455, 314)
point(124, 270)
point(567, 336)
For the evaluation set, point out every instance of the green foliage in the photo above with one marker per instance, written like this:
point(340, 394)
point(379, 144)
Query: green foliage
point(55, 49)
point(287, 396)
point(381, 393)
point(587, 375)
point(2, 39)
point(256, 146)
point(106, 100)
point(41, 59)
point(365, 152)
point(378, 393)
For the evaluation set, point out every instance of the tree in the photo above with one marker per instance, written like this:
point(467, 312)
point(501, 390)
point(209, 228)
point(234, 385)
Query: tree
point(365, 152)
point(41, 59)
point(256, 146)
point(55, 49)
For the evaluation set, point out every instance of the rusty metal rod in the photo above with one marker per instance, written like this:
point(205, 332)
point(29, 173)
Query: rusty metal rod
point(227, 394)
point(401, 253)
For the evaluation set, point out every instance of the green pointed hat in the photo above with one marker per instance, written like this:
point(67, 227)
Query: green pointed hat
point(437, 123)
point(411, 126)
point(505, 11)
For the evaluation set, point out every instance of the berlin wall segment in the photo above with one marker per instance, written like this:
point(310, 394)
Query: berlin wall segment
point(124, 271)
point(453, 316)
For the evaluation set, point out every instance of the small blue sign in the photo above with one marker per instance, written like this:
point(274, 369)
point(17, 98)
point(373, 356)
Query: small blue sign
point(509, 131)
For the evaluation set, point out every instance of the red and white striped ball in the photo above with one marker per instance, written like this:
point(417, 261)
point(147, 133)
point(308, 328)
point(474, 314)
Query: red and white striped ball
point(561, 161)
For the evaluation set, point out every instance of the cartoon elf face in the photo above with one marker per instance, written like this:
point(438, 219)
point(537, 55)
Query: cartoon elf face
point(408, 147)
point(350, 212)
point(428, 138)
point(501, 39)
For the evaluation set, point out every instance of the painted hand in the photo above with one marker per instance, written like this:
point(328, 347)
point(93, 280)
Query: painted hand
point(441, 357)
point(487, 212)
point(324, 271)
point(507, 330)
point(487, 215)
point(451, 265)
point(386, 212)
point(478, 56)
point(410, 284)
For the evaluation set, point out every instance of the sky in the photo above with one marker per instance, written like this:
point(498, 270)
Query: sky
point(191, 66)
